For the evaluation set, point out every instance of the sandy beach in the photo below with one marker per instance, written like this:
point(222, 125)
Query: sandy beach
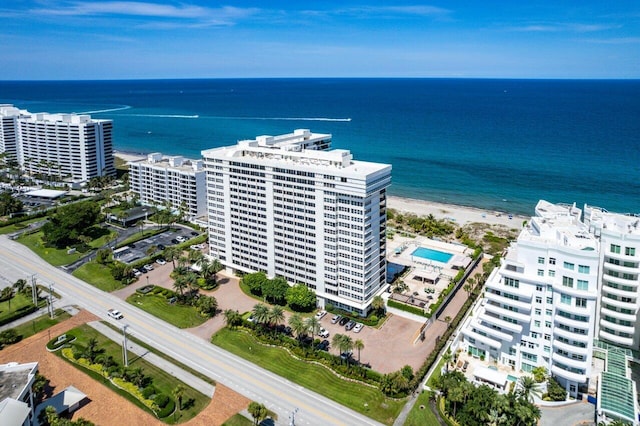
point(461, 215)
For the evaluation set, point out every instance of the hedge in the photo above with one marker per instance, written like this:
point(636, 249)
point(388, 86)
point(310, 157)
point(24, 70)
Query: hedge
point(407, 308)
point(19, 314)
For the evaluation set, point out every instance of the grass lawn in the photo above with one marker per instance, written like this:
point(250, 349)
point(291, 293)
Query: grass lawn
point(364, 399)
point(238, 420)
point(41, 323)
point(21, 302)
point(98, 276)
point(193, 401)
point(182, 316)
point(20, 225)
point(56, 257)
point(421, 416)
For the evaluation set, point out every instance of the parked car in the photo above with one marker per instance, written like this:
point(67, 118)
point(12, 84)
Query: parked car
point(324, 345)
point(181, 239)
point(136, 272)
point(346, 355)
point(161, 247)
point(161, 261)
point(344, 320)
point(251, 319)
point(336, 318)
point(148, 267)
point(321, 314)
point(358, 328)
point(174, 241)
point(195, 246)
point(115, 314)
point(323, 333)
point(194, 233)
point(350, 325)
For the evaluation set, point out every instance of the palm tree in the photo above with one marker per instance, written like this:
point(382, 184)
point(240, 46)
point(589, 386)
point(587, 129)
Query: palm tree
point(183, 261)
point(336, 342)
point(447, 357)
point(527, 388)
point(358, 345)
point(232, 318)
point(191, 279)
point(172, 253)
point(260, 313)
point(180, 284)
point(178, 393)
point(276, 316)
point(297, 325)
point(195, 257)
point(258, 412)
point(7, 294)
point(346, 344)
point(313, 325)
point(378, 305)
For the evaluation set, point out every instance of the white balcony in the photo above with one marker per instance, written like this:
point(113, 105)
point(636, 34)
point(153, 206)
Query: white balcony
point(619, 280)
point(573, 377)
point(617, 340)
point(617, 327)
point(557, 331)
point(619, 303)
point(571, 348)
point(524, 290)
point(620, 268)
point(517, 328)
point(620, 292)
point(571, 322)
point(505, 337)
point(618, 315)
point(507, 313)
point(480, 338)
point(522, 306)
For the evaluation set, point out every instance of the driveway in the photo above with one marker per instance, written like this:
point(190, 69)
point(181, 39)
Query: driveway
point(578, 414)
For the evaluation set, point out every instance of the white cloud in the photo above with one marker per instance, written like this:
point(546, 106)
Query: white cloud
point(564, 27)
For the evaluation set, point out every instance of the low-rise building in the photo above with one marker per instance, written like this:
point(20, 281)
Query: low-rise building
point(16, 394)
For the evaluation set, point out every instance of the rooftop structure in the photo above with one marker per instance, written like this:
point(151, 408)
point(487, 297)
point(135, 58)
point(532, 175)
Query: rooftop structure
point(175, 180)
point(16, 398)
point(289, 206)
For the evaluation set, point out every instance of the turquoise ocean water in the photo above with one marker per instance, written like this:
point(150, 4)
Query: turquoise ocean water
point(494, 144)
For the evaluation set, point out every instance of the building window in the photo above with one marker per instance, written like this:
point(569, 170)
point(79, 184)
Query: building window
point(511, 282)
point(567, 282)
point(536, 323)
point(630, 251)
point(547, 349)
point(581, 302)
point(538, 311)
point(568, 265)
point(583, 269)
point(538, 287)
point(552, 273)
point(548, 312)
point(552, 261)
point(583, 285)
point(538, 299)
point(547, 337)
point(541, 260)
point(615, 248)
point(565, 299)
point(547, 324)
point(541, 272)
point(550, 300)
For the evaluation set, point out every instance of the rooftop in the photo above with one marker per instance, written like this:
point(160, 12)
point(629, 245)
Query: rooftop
point(157, 160)
point(623, 223)
point(14, 377)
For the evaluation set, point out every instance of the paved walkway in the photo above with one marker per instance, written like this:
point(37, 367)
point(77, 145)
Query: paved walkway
point(177, 372)
point(72, 310)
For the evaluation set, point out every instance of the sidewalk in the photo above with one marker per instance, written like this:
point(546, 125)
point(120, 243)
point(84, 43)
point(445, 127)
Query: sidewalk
point(182, 375)
point(72, 310)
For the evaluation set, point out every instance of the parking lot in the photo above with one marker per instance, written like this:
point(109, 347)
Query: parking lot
point(138, 250)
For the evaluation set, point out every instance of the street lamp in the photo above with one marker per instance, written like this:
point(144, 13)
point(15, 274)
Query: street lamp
point(51, 299)
point(124, 345)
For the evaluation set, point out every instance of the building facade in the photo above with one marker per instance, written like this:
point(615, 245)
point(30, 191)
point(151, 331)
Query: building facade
point(619, 275)
point(74, 148)
point(540, 306)
point(175, 180)
point(291, 207)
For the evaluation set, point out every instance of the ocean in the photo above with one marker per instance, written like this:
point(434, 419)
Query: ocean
point(492, 144)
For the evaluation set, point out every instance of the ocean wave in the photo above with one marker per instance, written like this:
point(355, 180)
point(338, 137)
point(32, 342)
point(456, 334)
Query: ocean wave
point(121, 108)
point(286, 118)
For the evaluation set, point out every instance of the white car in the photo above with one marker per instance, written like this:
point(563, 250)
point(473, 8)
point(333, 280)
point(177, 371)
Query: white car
point(115, 314)
point(137, 272)
point(358, 328)
point(323, 333)
point(148, 267)
point(321, 314)
point(181, 239)
point(161, 261)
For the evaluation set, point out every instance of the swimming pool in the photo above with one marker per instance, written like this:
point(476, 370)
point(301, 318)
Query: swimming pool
point(429, 254)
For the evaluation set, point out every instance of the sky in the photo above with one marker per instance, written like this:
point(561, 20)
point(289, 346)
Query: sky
point(72, 40)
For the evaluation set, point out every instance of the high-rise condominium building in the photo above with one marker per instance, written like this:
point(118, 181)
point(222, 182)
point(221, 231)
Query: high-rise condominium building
point(72, 147)
point(289, 206)
point(176, 180)
point(619, 275)
point(540, 305)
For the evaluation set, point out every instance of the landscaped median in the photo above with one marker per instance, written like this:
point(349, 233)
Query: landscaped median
point(163, 303)
point(142, 383)
point(361, 397)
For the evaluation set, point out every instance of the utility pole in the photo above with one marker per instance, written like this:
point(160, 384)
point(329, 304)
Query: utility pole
point(34, 290)
point(51, 299)
point(124, 345)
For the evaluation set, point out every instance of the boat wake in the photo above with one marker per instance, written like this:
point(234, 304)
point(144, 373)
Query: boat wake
point(287, 118)
point(160, 115)
point(123, 107)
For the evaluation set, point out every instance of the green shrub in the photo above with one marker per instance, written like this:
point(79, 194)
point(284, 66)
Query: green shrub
point(407, 308)
point(167, 410)
point(161, 400)
point(148, 392)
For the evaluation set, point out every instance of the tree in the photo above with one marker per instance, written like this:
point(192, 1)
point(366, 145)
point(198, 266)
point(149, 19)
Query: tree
point(207, 305)
point(260, 313)
point(92, 350)
point(275, 290)
point(68, 222)
point(358, 345)
point(178, 393)
point(313, 325)
point(258, 412)
point(447, 357)
point(539, 374)
point(255, 281)
point(527, 388)
point(195, 257)
point(140, 225)
point(102, 256)
point(378, 305)
point(232, 318)
point(7, 294)
point(180, 284)
point(172, 253)
point(297, 325)
point(301, 298)
point(276, 316)
point(9, 204)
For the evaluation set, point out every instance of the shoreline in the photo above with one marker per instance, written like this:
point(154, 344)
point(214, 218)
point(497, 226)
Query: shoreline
point(459, 214)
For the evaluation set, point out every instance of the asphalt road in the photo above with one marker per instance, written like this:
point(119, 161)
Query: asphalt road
point(278, 394)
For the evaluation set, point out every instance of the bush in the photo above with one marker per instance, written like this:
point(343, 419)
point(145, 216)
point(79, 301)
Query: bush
point(149, 391)
point(169, 408)
point(407, 308)
point(161, 400)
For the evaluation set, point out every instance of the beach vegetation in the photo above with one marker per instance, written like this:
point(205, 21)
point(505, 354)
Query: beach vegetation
point(428, 226)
